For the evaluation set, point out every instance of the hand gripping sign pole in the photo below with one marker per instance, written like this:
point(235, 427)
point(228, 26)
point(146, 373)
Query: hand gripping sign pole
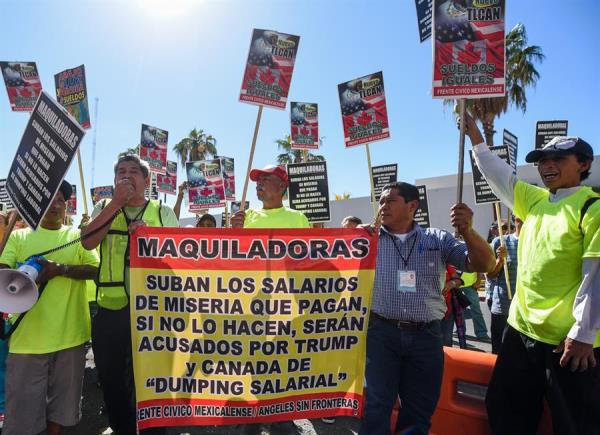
point(250, 158)
point(503, 244)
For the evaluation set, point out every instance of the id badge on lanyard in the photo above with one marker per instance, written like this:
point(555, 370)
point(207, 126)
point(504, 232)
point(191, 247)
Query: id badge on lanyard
point(407, 281)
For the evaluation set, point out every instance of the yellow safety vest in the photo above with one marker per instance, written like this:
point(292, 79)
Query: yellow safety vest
point(111, 290)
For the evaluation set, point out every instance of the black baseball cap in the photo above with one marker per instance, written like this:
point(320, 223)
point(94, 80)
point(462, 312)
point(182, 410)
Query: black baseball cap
point(562, 145)
point(66, 189)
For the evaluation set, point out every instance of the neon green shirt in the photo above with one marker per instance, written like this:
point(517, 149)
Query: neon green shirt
point(551, 251)
point(469, 278)
point(60, 319)
point(275, 218)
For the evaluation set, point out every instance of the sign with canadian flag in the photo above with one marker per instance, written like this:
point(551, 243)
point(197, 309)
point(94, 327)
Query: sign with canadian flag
point(304, 125)
point(364, 111)
point(269, 68)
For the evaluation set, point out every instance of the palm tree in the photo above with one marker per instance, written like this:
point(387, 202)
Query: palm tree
point(520, 74)
point(293, 155)
point(196, 146)
point(134, 150)
point(342, 197)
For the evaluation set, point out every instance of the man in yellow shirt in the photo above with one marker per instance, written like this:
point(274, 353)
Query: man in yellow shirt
point(551, 346)
point(271, 184)
point(46, 358)
point(113, 222)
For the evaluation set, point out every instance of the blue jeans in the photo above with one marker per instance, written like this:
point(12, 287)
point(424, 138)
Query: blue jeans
point(474, 310)
point(402, 363)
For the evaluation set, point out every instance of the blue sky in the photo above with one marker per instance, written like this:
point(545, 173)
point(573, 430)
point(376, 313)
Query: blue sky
point(178, 64)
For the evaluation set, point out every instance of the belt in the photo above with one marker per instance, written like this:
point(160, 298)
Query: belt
point(404, 324)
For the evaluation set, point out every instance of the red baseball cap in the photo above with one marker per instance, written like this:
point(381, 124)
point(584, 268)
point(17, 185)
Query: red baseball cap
point(270, 169)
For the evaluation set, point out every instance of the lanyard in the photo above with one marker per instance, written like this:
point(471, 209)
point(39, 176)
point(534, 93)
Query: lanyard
point(137, 216)
point(404, 260)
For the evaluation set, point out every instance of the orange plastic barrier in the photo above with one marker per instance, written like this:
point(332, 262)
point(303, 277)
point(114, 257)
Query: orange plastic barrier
point(461, 408)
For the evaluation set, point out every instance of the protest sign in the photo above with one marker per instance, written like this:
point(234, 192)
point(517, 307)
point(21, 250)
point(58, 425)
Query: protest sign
point(4, 198)
point(167, 183)
point(101, 192)
point(153, 148)
point(383, 175)
point(512, 142)
point(468, 49)
point(364, 111)
point(424, 18)
point(72, 202)
point(304, 120)
point(49, 142)
point(545, 131)
point(151, 191)
point(269, 68)
point(237, 326)
point(205, 184)
point(483, 191)
point(309, 191)
point(422, 213)
point(234, 207)
point(227, 166)
point(71, 92)
point(22, 84)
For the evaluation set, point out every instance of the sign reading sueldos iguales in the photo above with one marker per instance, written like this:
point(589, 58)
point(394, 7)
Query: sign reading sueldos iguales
point(234, 326)
point(364, 110)
point(23, 84)
point(269, 68)
point(468, 49)
point(304, 120)
point(309, 190)
point(49, 142)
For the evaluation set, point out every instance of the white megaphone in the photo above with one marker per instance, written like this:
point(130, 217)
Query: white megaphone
point(18, 291)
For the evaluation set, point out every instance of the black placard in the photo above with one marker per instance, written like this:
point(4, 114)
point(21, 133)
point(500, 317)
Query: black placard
point(49, 142)
point(422, 213)
point(483, 191)
point(545, 131)
point(512, 142)
point(424, 17)
point(4, 198)
point(309, 190)
point(383, 175)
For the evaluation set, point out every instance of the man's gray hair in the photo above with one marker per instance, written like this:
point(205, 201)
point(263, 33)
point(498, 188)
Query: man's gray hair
point(144, 167)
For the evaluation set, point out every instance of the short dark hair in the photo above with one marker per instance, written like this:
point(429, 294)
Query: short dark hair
point(408, 191)
point(207, 217)
point(353, 219)
point(144, 167)
point(582, 159)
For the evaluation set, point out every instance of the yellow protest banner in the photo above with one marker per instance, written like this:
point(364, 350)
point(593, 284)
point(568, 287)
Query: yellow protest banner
point(238, 326)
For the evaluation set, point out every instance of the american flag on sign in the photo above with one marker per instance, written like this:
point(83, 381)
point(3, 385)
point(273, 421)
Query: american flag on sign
point(459, 40)
point(360, 108)
point(270, 62)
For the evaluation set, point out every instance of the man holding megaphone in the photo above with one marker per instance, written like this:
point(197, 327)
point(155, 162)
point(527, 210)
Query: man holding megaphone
point(46, 361)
